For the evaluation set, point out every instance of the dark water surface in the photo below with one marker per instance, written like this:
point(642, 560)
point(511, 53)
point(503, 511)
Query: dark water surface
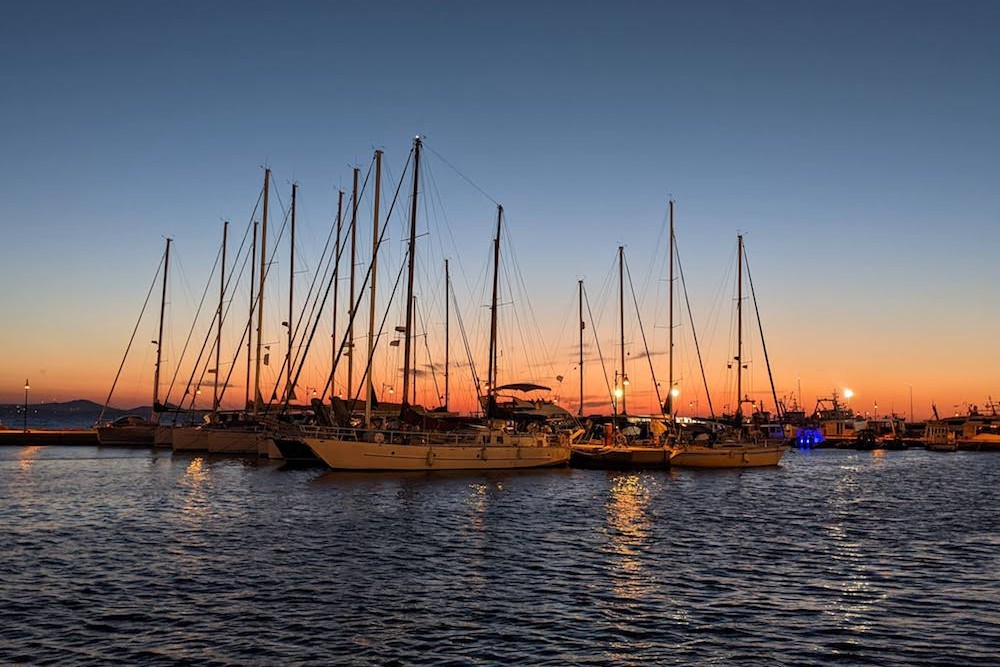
point(116, 556)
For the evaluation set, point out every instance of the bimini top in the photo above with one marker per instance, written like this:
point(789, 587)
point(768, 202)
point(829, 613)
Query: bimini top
point(523, 386)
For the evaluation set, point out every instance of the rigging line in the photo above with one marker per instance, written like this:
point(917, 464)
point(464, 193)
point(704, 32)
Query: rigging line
point(321, 277)
point(434, 194)
point(194, 323)
point(430, 362)
point(385, 316)
point(301, 363)
point(211, 323)
point(760, 326)
point(466, 178)
point(235, 280)
point(649, 358)
point(512, 253)
point(302, 316)
point(145, 303)
point(694, 332)
point(468, 350)
point(597, 342)
point(566, 318)
point(354, 306)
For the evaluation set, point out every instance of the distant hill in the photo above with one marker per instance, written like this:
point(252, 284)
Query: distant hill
point(71, 414)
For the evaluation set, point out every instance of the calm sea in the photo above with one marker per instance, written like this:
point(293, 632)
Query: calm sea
point(132, 557)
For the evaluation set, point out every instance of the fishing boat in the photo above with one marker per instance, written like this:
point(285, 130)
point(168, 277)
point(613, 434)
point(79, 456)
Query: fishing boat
point(736, 448)
point(422, 442)
point(134, 429)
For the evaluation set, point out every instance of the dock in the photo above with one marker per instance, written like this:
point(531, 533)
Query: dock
point(19, 437)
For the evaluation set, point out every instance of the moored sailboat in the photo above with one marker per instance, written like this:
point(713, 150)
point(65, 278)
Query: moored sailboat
point(423, 442)
point(735, 449)
point(133, 429)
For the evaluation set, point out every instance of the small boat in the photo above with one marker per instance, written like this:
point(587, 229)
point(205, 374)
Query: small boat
point(133, 429)
point(127, 430)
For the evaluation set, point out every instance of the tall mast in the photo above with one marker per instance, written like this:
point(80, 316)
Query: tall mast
point(621, 318)
point(371, 310)
point(409, 278)
point(350, 312)
point(580, 285)
point(253, 280)
point(159, 337)
point(336, 291)
point(289, 390)
point(260, 292)
point(739, 328)
point(447, 322)
point(218, 335)
point(671, 408)
point(491, 377)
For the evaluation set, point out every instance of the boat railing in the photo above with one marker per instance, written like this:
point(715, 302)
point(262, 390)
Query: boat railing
point(483, 438)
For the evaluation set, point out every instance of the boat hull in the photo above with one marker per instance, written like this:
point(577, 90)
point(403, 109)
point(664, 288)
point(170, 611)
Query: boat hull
point(697, 456)
point(163, 436)
point(236, 441)
point(190, 439)
point(626, 457)
point(127, 435)
point(361, 455)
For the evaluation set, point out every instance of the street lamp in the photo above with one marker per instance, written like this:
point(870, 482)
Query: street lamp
point(27, 386)
point(847, 395)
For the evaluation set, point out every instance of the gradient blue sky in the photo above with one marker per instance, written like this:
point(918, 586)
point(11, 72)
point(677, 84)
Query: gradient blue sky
point(854, 143)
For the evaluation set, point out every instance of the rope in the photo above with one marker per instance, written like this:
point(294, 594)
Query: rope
point(132, 338)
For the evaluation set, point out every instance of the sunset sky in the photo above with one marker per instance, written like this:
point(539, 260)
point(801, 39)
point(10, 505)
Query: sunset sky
point(853, 144)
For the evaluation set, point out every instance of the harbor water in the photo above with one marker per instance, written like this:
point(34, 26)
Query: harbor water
point(138, 557)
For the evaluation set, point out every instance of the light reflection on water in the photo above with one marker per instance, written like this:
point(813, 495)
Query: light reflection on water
point(834, 558)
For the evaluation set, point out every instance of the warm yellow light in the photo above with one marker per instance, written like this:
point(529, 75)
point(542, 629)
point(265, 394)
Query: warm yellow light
point(624, 380)
point(675, 392)
point(618, 392)
point(848, 393)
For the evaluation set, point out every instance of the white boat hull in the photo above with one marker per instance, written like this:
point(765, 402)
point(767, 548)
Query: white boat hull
point(163, 436)
point(361, 455)
point(190, 439)
point(236, 441)
point(722, 456)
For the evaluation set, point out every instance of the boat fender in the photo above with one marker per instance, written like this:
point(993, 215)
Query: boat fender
point(430, 457)
point(379, 438)
point(482, 454)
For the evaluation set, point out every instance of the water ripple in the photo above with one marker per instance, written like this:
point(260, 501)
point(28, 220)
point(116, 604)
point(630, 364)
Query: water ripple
point(836, 558)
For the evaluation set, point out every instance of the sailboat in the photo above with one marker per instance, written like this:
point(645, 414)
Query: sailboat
point(422, 443)
point(734, 449)
point(133, 429)
point(232, 432)
point(610, 447)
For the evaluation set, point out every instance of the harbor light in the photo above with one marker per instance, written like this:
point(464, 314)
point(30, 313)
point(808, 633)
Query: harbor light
point(847, 394)
point(27, 386)
point(675, 392)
